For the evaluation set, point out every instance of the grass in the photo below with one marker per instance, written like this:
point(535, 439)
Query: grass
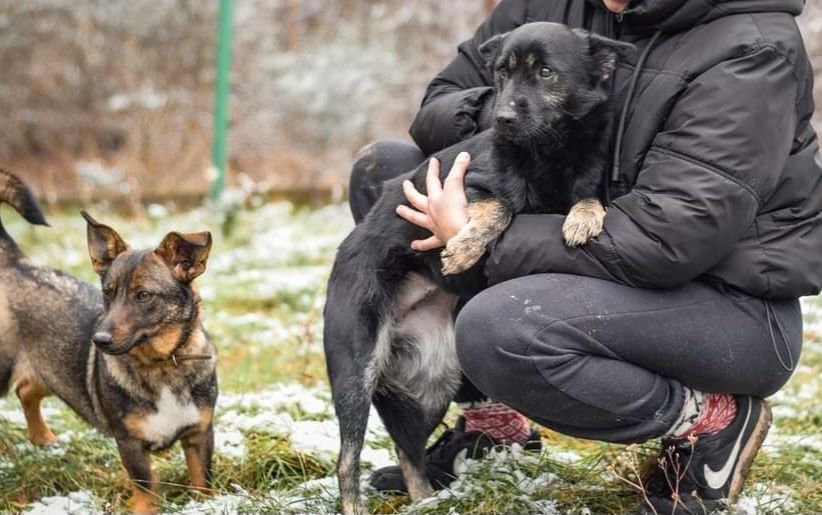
point(276, 437)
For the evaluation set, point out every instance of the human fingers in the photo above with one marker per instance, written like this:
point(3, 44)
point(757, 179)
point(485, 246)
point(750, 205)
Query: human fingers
point(456, 177)
point(414, 216)
point(430, 243)
point(432, 178)
point(414, 197)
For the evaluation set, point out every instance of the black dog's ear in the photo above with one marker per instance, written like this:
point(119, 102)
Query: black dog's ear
point(488, 50)
point(104, 244)
point(185, 254)
point(606, 52)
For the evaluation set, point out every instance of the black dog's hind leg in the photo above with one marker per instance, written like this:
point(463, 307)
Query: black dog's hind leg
point(486, 221)
point(409, 426)
point(352, 404)
point(352, 401)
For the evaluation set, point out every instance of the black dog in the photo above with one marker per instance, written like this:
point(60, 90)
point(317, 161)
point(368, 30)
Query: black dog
point(388, 318)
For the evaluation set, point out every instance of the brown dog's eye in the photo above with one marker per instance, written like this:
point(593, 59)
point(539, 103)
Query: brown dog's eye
point(143, 295)
point(545, 72)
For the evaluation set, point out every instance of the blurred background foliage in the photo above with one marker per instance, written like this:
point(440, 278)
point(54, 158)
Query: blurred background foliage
point(113, 98)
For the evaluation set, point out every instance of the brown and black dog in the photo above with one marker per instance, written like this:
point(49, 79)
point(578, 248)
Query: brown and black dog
point(133, 360)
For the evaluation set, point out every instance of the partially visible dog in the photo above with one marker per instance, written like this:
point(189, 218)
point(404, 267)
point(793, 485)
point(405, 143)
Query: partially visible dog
point(388, 318)
point(134, 361)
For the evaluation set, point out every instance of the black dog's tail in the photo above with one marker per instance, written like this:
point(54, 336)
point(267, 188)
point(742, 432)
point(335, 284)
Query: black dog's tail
point(15, 193)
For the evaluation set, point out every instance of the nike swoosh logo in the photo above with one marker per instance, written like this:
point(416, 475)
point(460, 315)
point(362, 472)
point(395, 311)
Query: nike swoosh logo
point(717, 478)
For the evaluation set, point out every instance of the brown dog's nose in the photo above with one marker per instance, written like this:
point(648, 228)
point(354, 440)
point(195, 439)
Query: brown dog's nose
point(101, 339)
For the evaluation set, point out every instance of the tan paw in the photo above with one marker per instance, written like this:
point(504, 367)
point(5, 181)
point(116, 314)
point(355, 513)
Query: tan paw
point(584, 221)
point(458, 258)
point(143, 503)
point(43, 438)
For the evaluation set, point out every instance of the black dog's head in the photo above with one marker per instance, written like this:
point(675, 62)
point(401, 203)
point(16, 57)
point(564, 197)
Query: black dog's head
point(546, 74)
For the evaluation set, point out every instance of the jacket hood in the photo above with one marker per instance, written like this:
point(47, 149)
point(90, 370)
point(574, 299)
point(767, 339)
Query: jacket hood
point(678, 15)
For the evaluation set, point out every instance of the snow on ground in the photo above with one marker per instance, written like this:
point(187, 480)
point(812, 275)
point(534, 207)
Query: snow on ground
point(285, 256)
point(303, 415)
point(268, 412)
point(75, 503)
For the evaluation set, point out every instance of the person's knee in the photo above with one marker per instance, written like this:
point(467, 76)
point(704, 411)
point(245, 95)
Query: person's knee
point(507, 332)
point(491, 346)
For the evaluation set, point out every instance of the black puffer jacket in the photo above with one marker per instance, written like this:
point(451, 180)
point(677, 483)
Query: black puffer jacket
point(718, 162)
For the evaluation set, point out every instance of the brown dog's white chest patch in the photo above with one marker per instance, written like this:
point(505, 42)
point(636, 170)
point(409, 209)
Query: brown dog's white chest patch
point(172, 416)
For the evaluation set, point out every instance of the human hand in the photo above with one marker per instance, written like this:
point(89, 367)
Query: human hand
point(445, 210)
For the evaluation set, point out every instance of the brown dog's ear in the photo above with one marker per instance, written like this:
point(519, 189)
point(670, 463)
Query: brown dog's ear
point(104, 244)
point(605, 52)
point(488, 49)
point(185, 254)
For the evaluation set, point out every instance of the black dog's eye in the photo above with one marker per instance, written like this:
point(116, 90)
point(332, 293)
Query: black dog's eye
point(143, 295)
point(546, 72)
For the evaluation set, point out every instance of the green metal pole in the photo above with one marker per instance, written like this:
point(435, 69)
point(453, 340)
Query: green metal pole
point(221, 91)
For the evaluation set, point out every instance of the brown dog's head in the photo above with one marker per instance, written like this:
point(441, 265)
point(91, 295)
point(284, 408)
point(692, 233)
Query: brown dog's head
point(150, 305)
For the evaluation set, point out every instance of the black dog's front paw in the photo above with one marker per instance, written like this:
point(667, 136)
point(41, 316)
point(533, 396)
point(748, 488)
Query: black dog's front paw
point(460, 254)
point(584, 221)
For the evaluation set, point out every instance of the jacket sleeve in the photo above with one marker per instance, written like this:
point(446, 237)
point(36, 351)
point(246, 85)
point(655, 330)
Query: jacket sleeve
point(458, 101)
point(716, 158)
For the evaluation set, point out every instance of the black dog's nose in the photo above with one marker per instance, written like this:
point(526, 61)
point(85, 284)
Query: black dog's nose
point(506, 118)
point(101, 339)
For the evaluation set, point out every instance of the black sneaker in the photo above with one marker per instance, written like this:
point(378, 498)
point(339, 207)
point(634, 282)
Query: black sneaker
point(708, 475)
point(453, 446)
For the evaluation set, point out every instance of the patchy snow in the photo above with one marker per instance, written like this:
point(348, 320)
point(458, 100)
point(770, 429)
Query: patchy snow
point(764, 502)
point(283, 259)
point(566, 457)
point(504, 463)
point(263, 412)
point(75, 503)
point(11, 411)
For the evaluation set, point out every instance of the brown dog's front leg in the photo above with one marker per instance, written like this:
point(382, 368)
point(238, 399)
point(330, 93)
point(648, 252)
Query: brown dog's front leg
point(486, 221)
point(137, 461)
point(198, 449)
point(584, 221)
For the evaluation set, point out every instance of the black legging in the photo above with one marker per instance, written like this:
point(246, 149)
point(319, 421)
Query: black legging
point(599, 360)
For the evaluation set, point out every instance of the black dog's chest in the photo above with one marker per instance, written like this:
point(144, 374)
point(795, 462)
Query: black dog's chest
point(534, 193)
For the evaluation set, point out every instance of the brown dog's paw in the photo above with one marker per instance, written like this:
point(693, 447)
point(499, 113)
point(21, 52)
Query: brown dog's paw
point(43, 439)
point(584, 221)
point(143, 503)
point(460, 255)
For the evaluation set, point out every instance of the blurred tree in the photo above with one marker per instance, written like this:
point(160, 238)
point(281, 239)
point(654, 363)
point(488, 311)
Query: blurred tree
point(102, 97)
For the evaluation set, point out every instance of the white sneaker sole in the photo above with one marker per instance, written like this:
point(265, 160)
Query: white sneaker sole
point(748, 454)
